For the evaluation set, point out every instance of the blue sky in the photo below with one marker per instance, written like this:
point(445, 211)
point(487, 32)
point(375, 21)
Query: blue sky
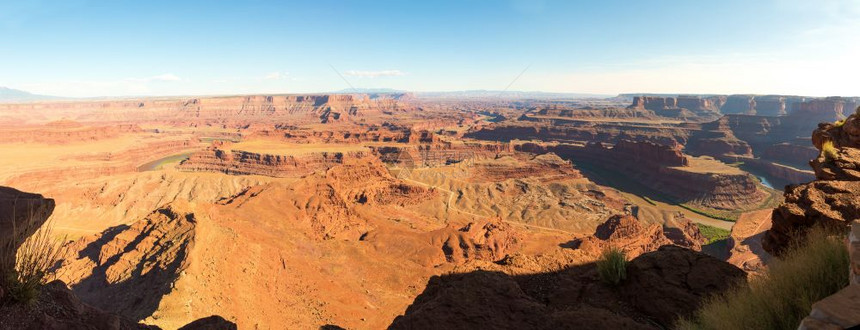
point(115, 48)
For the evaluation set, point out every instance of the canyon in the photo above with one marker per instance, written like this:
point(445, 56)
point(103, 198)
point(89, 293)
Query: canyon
point(367, 211)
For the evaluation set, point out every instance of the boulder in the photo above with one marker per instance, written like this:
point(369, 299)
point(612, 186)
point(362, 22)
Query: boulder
point(829, 203)
point(660, 286)
point(673, 281)
point(213, 322)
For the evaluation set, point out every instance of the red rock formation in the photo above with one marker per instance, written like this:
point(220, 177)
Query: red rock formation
point(739, 104)
point(829, 203)
point(121, 254)
point(697, 103)
point(488, 240)
point(770, 105)
point(720, 189)
point(717, 139)
point(578, 113)
point(791, 153)
point(546, 166)
point(628, 233)
point(651, 154)
point(832, 200)
point(299, 108)
point(127, 269)
point(238, 162)
point(654, 102)
point(64, 133)
point(819, 110)
point(357, 134)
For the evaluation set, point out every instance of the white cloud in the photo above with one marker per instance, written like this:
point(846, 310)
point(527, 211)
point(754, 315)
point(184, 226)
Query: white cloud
point(374, 74)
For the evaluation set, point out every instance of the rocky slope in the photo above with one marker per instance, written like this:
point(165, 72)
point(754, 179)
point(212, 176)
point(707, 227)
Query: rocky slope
point(660, 286)
point(831, 200)
point(127, 269)
point(627, 233)
point(745, 242)
point(668, 171)
point(57, 307)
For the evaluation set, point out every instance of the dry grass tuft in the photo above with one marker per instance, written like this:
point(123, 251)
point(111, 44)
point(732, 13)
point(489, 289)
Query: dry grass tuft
point(811, 270)
point(612, 266)
point(829, 151)
point(34, 263)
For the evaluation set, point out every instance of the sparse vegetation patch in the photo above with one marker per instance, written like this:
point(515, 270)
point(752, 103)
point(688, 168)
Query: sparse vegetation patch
point(811, 270)
point(612, 266)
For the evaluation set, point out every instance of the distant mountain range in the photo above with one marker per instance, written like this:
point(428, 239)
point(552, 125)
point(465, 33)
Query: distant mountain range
point(14, 95)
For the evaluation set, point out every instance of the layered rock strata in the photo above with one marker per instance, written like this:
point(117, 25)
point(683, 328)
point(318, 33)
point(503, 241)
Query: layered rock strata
point(238, 162)
point(665, 169)
point(832, 200)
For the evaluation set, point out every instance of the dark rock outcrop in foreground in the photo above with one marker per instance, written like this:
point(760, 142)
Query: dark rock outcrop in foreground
point(21, 214)
point(660, 286)
point(57, 307)
point(833, 199)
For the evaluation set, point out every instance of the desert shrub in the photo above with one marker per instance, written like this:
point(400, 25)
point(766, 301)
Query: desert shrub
point(839, 123)
point(713, 234)
point(612, 266)
point(811, 270)
point(34, 264)
point(828, 150)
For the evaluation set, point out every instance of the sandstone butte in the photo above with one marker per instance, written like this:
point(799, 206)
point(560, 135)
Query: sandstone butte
point(391, 210)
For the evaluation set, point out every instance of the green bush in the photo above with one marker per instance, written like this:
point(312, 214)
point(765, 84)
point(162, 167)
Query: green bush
point(612, 266)
point(809, 271)
point(713, 234)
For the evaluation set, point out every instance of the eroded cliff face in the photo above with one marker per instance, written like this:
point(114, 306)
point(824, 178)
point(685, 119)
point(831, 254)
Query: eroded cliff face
point(598, 113)
point(63, 132)
point(239, 162)
point(707, 182)
point(739, 104)
point(299, 108)
point(770, 105)
point(683, 106)
point(832, 200)
point(820, 110)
